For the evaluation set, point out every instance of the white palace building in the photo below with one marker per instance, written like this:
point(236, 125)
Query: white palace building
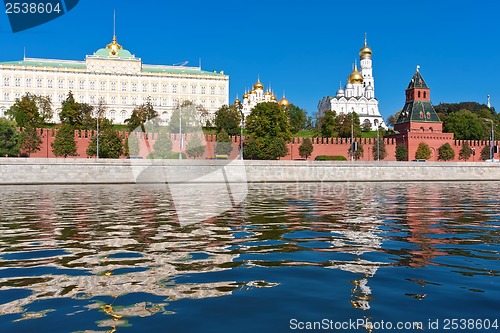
point(358, 95)
point(117, 78)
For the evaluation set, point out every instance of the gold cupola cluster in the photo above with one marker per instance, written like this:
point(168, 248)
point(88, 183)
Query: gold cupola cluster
point(259, 94)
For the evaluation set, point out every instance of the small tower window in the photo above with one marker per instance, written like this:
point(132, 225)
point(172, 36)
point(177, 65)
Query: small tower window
point(419, 94)
point(425, 94)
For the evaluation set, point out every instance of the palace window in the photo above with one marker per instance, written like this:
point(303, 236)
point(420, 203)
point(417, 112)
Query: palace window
point(155, 87)
point(70, 84)
point(124, 86)
point(18, 82)
point(134, 100)
point(92, 85)
point(17, 95)
point(155, 101)
point(82, 85)
point(61, 98)
point(222, 89)
point(38, 83)
point(203, 90)
point(184, 88)
point(103, 85)
point(212, 90)
point(6, 97)
point(113, 99)
point(60, 84)
point(28, 83)
point(112, 114)
point(164, 101)
point(144, 87)
point(174, 88)
point(124, 100)
point(134, 86)
point(102, 99)
point(113, 86)
point(165, 88)
point(193, 90)
point(123, 115)
point(92, 99)
point(6, 81)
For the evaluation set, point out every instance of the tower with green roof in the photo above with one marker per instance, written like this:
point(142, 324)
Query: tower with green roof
point(418, 114)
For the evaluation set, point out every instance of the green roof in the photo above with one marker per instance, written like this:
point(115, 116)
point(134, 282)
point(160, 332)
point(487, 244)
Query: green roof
point(177, 70)
point(46, 63)
point(418, 111)
point(122, 54)
point(417, 81)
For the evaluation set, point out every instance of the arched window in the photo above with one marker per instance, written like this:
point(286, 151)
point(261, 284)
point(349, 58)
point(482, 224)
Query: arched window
point(419, 94)
point(425, 94)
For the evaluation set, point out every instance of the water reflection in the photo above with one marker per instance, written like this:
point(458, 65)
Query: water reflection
point(118, 252)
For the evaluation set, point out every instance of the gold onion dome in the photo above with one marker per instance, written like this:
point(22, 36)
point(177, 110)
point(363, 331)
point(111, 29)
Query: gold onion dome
point(267, 93)
point(258, 85)
point(284, 102)
point(355, 77)
point(236, 101)
point(365, 51)
point(245, 95)
point(252, 92)
point(273, 98)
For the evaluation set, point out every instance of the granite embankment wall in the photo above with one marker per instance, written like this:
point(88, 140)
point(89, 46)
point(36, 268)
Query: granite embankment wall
point(322, 146)
point(24, 171)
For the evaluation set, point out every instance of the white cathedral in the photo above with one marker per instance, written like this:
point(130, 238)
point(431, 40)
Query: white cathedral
point(256, 96)
point(358, 94)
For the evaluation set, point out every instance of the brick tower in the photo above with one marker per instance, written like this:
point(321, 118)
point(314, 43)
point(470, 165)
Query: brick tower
point(418, 121)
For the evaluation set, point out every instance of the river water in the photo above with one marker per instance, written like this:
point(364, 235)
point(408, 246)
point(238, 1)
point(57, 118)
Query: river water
point(330, 257)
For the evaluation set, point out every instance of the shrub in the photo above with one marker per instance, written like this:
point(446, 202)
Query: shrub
point(330, 158)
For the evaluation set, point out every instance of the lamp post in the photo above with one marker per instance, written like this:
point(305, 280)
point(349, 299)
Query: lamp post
point(492, 137)
point(239, 106)
point(99, 110)
point(180, 130)
point(378, 143)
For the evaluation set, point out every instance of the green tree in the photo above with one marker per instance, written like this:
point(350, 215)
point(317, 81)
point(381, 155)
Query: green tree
point(391, 120)
point(485, 153)
point(366, 126)
point(269, 130)
point(465, 152)
point(446, 153)
point(224, 144)
point(466, 126)
point(195, 147)
point(110, 143)
point(78, 115)
point(328, 124)
point(65, 145)
point(162, 146)
point(31, 111)
point(346, 123)
point(379, 150)
point(228, 118)
point(132, 146)
point(358, 153)
point(423, 151)
point(297, 117)
point(306, 148)
point(140, 115)
point(9, 139)
point(31, 140)
point(401, 152)
point(190, 116)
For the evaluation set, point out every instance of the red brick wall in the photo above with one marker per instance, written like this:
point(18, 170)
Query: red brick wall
point(322, 146)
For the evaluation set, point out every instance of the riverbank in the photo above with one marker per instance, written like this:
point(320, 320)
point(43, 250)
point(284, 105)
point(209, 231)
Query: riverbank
point(27, 171)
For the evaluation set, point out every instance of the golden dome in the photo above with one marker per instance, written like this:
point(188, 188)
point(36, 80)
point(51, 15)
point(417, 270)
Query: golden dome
point(258, 85)
point(114, 47)
point(273, 98)
point(365, 51)
point(284, 102)
point(355, 77)
point(252, 92)
point(245, 96)
point(267, 93)
point(236, 101)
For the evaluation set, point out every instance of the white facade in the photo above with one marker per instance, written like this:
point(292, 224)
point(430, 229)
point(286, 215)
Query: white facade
point(117, 78)
point(358, 95)
point(258, 95)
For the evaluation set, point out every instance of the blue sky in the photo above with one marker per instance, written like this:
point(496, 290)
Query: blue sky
point(304, 48)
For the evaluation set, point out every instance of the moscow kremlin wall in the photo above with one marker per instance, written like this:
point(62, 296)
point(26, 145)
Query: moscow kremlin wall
point(322, 146)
